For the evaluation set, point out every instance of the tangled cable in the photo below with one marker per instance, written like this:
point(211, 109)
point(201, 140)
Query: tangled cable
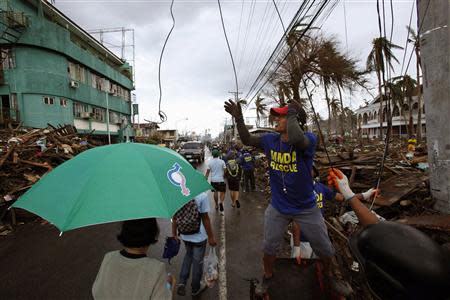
point(161, 114)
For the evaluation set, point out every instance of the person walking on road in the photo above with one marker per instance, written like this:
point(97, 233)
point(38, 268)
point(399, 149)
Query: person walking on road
point(290, 153)
point(233, 175)
point(129, 273)
point(195, 244)
point(216, 167)
point(248, 167)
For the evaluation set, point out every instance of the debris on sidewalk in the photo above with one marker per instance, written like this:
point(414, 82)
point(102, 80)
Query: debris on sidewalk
point(28, 154)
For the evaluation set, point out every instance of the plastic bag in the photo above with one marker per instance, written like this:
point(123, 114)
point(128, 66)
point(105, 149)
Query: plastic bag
point(211, 267)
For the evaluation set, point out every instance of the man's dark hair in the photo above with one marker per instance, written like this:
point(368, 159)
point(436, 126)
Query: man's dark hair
point(139, 233)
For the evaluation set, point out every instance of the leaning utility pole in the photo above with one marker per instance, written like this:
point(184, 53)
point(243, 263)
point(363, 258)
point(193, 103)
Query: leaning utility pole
point(434, 31)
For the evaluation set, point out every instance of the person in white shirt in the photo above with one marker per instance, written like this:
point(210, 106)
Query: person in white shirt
point(216, 167)
point(129, 273)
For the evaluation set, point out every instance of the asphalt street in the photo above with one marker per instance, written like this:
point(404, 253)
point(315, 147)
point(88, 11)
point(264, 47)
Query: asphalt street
point(37, 263)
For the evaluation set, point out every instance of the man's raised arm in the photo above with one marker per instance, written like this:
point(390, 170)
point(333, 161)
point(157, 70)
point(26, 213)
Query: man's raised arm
point(234, 109)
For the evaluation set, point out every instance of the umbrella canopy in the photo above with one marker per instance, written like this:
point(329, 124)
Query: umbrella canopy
point(114, 183)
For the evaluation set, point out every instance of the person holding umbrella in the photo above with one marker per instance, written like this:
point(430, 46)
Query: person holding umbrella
point(130, 273)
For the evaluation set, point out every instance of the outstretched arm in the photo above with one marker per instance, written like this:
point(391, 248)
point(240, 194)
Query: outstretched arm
point(234, 109)
point(340, 181)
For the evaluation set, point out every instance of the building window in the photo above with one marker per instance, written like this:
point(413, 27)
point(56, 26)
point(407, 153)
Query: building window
point(114, 117)
point(77, 72)
point(80, 109)
point(48, 100)
point(8, 59)
point(99, 114)
point(63, 102)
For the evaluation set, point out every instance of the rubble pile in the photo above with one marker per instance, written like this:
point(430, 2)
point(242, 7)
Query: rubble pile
point(28, 154)
point(405, 198)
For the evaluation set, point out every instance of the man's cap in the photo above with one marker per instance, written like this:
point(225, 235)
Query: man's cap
point(215, 153)
point(279, 111)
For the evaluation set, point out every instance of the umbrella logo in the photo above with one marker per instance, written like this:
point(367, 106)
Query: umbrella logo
point(176, 177)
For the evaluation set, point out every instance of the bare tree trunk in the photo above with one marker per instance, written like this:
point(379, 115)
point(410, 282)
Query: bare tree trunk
point(380, 93)
point(419, 96)
point(410, 123)
point(341, 117)
point(329, 111)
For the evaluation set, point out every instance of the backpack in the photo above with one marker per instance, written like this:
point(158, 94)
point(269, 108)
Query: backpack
point(188, 218)
point(233, 168)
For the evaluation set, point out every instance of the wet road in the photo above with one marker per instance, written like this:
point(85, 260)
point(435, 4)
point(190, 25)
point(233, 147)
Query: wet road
point(38, 264)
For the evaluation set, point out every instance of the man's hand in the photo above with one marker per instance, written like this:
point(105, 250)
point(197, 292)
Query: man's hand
point(233, 109)
point(176, 238)
point(212, 242)
point(367, 195)
point(337, 179)
point(294, 106)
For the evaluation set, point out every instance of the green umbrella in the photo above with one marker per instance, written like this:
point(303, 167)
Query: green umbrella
point(114, 183)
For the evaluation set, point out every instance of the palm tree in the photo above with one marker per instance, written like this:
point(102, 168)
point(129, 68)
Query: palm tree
point(380, 55)
point(413, 38)
point(335, 110)
point(408, 87)
point(261, 109)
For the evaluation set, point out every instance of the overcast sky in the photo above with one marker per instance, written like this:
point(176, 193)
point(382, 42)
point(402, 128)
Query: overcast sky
point(197, 74)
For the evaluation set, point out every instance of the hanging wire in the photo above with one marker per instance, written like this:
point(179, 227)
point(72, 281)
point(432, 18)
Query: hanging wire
point(419, 30)
point(388, 132)
point(308, 95)
point(407, 37)
point(162, 115)
point(229, 49)
point(345, 26)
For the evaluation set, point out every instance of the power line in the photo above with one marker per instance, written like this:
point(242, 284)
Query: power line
point(239, 30)
point(278, 49)
point(229, 49)
point(313, 19)
point(259, 56)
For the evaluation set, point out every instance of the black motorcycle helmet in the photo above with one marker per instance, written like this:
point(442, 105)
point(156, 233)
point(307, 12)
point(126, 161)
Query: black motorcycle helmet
point(401, 262)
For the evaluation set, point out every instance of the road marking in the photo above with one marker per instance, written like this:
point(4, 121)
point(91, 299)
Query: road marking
point(222, 262)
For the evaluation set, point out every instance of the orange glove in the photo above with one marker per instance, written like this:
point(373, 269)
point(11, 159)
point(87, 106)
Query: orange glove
point(337, 179)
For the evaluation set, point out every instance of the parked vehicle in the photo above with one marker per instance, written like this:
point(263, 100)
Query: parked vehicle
point(193, 150)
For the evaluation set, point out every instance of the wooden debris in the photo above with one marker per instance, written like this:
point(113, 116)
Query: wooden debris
point(398, 186)
point(27, 154)
point(437, 222)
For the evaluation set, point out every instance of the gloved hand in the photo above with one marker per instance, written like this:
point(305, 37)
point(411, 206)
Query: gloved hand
point(337, 179)
point(233, 109)
point(367, 195)
point(294, 107)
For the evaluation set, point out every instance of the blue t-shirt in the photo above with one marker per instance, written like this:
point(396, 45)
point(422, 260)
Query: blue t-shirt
point(217, 167)
point(247, 162)
point(202, 201)
point(323, 194)
point(290, 168)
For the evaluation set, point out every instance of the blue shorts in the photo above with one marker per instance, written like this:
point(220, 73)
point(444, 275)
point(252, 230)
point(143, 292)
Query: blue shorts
point(312, 226)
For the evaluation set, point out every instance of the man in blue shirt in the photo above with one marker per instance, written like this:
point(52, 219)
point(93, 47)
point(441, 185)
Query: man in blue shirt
point(248, 168)
point(290, 154)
